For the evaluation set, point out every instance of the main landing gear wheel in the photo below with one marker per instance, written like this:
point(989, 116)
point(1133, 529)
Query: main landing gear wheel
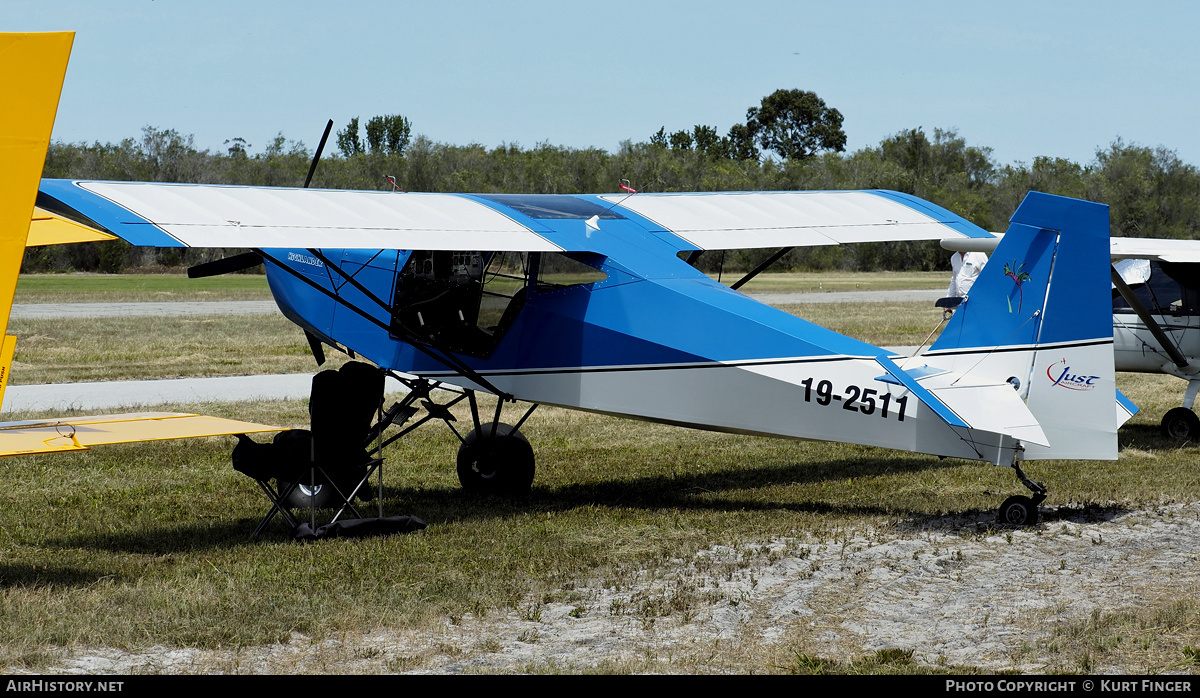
point(1018, 510)
point(495, 462)
point(1180, 423)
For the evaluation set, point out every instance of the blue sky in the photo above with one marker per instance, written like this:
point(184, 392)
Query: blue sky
point(1025, 78)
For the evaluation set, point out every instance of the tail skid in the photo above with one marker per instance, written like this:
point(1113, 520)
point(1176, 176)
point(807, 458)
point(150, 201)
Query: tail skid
point(1039, 320)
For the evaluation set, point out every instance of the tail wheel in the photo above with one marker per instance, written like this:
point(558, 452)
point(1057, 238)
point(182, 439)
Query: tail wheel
point(1018, 511)
point(495, 458)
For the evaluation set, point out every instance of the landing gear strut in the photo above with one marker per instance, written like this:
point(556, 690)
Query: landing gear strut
point(493, 458)
point(1020, 510)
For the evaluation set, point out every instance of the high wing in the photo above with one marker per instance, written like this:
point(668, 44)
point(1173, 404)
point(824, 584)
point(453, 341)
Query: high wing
point(189, 215)
point(270, 218)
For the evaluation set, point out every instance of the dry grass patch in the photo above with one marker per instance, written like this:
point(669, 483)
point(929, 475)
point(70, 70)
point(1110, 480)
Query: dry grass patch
point(135, 348)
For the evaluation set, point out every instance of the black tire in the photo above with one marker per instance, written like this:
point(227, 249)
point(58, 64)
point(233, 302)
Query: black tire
point(301, 497)
point(1018, 511)
point(1180, 423)
point(496, 463)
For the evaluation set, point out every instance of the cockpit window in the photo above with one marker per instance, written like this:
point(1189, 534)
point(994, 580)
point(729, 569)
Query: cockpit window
point(556, 270)
point(459, 301)
point(466, 301)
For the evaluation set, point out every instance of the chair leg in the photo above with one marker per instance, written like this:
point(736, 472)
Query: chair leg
point(276, 507)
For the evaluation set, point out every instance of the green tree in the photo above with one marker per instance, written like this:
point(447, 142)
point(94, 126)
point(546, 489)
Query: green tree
point(375, 134)
point(681, 140)
point(796, 124)
point(388, 134)
point(237, 147)
point(348, 141)
point(707, 141)
point(397, 131)
point(739, 143)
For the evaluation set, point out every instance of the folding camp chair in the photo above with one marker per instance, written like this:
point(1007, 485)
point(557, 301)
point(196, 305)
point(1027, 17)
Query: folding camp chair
point(329, 466)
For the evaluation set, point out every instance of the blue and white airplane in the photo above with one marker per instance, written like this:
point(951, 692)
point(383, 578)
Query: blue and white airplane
point(589, 302)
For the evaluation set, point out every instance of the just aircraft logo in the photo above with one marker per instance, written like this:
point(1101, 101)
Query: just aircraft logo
point(1061, 375)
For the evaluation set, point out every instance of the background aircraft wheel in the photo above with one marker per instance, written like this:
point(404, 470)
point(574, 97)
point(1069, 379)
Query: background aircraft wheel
point(1018, 511)
point(1180, 423)
point(299, 498)
point(499, 463)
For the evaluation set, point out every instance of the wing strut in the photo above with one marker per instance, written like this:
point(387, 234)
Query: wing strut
point(761, 268)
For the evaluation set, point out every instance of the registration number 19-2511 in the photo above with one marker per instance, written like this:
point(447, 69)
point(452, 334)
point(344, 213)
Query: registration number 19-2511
point(856, 399)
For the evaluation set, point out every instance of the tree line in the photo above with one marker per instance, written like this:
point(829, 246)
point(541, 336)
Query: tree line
point(1150, 191)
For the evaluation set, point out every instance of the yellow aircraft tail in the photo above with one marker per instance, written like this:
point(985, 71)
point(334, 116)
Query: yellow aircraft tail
point(30, 84)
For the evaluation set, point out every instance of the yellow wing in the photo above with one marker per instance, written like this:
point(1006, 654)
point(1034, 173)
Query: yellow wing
point(46, 228)
point(81, 433)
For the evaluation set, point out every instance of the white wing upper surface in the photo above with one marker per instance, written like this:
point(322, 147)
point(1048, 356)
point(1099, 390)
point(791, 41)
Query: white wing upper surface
point(227, 216)
point(725, 220)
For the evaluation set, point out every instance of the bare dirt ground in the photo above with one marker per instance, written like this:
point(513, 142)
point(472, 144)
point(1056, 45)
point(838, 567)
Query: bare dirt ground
point(954, 591)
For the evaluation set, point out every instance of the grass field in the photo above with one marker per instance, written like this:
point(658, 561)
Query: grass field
point(815, 282)
point(129, 546)
point(133, 348)
point(147, 544)
point(128, 288)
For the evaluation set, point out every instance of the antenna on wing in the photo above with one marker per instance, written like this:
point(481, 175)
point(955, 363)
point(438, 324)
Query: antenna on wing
point(392, 181)
point(593, 223)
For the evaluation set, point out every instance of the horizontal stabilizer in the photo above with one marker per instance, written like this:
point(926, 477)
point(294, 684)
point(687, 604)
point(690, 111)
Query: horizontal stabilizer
point(81, 433)
point(967, 403)
point(1125, 409)
point(903, 378)
point(994, 407)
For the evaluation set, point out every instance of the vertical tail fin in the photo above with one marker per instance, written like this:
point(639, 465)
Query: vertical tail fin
point(31, 79)
point(1039, 317)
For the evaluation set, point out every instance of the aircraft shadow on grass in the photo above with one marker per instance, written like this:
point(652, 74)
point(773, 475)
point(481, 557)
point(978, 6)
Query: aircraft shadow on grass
point(715, 491)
